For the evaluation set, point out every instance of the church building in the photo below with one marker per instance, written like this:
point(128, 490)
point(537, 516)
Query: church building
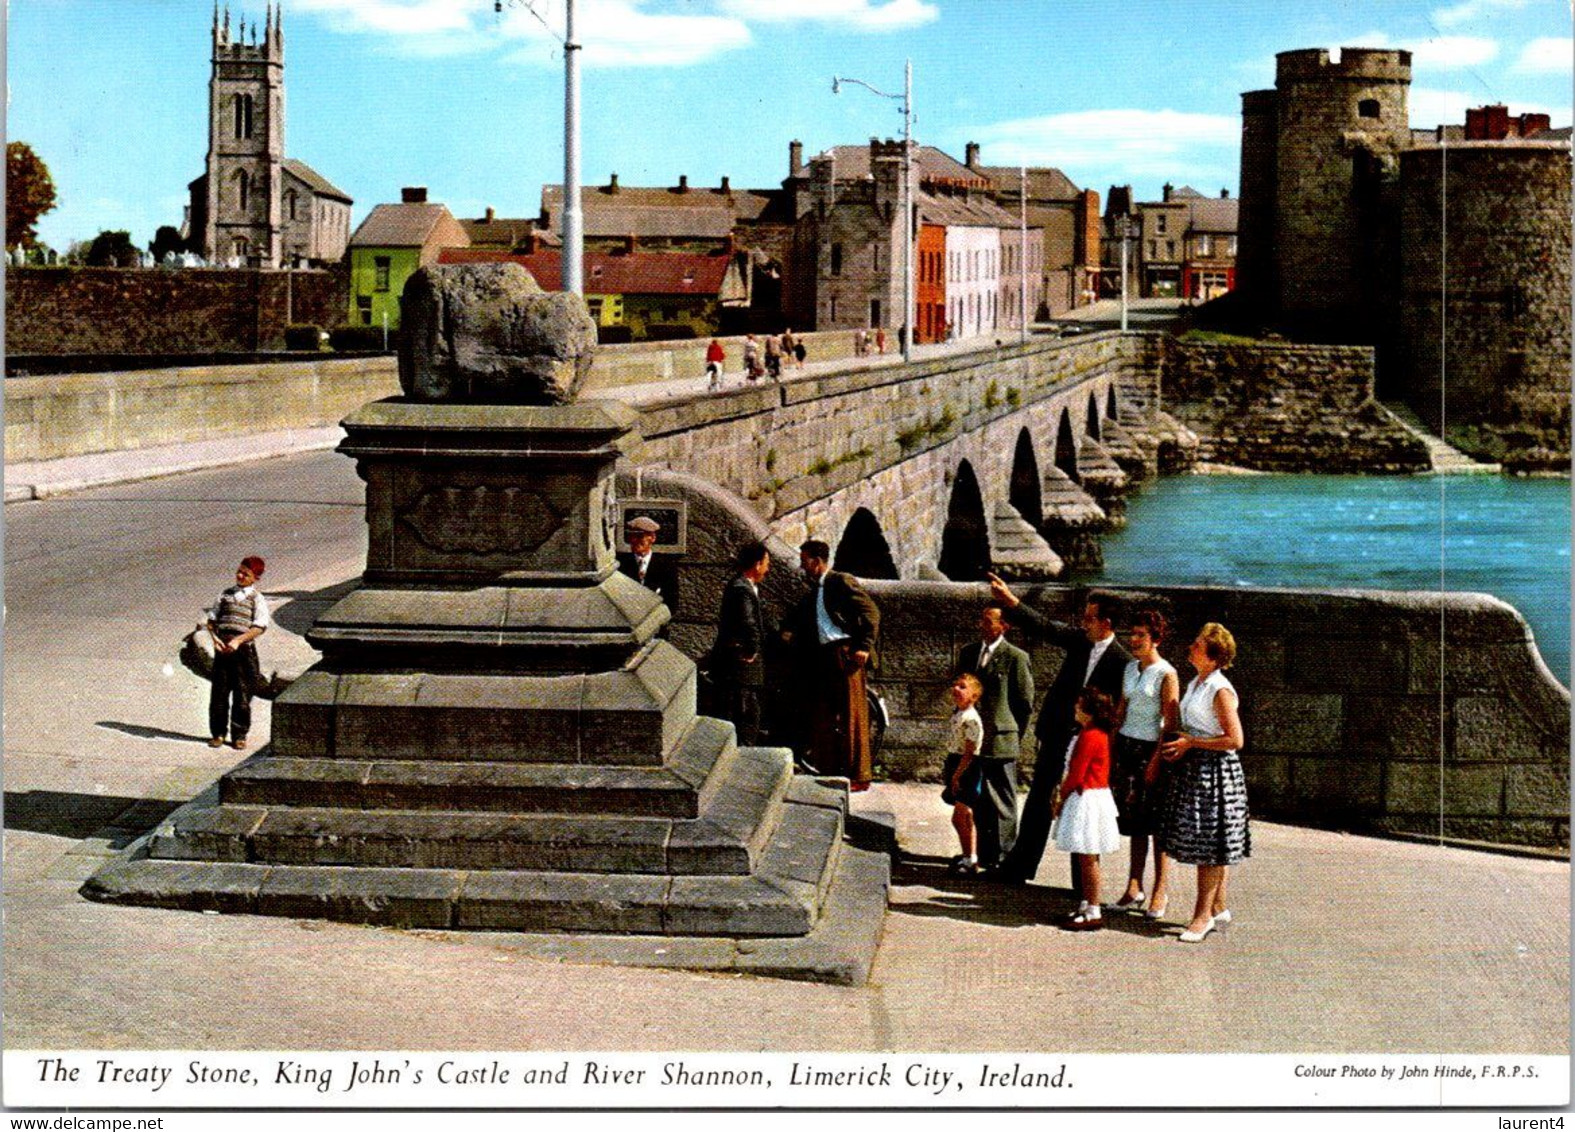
point(254, 206)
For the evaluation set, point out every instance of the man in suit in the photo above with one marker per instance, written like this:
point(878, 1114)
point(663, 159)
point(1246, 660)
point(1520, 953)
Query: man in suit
point(738, 656)
point(653, 571)
point(1093, 657)
point(1008, 700)
point(834, 629)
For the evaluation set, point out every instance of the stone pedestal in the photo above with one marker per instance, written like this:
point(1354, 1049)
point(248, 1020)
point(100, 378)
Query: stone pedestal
point(497, 739)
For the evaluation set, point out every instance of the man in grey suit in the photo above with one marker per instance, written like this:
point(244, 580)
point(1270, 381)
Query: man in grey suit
point(1007, 702)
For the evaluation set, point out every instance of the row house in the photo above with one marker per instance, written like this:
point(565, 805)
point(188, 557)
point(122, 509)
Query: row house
point(390, 244)
point(1180, 246)
point(636, 296)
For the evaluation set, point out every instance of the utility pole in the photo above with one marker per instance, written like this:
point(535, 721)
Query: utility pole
point(1022, 247)
point(573, 223)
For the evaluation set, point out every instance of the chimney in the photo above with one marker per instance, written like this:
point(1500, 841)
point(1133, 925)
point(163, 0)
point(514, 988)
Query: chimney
point(971, 155)
point(629, 242)
point(612, 184)
point(491, 215)
point(1224, 194)
point(413, 194)
point(1168, 189)
point(683, 182)
point(726, 187)
point(795, 158)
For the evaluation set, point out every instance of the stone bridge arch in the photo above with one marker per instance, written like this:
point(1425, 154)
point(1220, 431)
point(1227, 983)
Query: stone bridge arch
point(965, 540)
point(1091, 419)
point(863, 550)
point(1065, 452)
point(1025, 491)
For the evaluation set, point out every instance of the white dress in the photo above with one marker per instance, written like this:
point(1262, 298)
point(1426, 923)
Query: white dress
point(1089, 822)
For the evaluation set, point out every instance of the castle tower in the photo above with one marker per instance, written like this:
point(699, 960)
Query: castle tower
point(1255, 275)
point(246, 142)
point(1340, 129)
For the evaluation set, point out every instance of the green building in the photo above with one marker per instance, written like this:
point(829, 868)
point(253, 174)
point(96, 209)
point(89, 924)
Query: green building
point(388, 247)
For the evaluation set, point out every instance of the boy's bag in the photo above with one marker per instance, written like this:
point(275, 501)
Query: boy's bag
point(971, 787)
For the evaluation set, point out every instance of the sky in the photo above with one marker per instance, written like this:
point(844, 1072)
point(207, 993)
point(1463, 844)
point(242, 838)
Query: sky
point(452, 95)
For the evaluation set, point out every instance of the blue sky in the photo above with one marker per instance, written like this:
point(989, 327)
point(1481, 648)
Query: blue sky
point(445, 93)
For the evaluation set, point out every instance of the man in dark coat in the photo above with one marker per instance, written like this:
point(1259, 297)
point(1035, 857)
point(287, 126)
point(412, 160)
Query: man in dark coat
point(834, 629)
point(1008, 700)
point(653, 571)
point(738, 656)
point(1093, 657)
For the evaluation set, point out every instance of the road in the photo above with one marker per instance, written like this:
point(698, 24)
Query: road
point(1341, 943)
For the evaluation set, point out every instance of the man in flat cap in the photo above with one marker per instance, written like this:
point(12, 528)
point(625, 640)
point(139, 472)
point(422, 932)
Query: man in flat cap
point(656, 572)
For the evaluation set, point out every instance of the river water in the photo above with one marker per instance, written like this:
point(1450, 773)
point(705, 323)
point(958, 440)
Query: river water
point(1491, 534)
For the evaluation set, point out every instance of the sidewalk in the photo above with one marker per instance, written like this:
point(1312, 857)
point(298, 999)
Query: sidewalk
point(44, 478)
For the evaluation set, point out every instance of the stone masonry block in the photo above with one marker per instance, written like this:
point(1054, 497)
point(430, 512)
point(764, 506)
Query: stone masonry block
point(303, 716)
point(559, 902)
point(1337, 787)
point(1537, 791)
point(1493, 728)
point(193, 885)
point(1321, 665)
point(1395, 727)
point(1293, 722)
point(1458, 790)
point(407, 898)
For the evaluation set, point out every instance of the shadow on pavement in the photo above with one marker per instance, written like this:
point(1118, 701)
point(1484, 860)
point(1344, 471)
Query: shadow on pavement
point(979, 900)
point(140, 732)
point(76, 816)
point(300, 609)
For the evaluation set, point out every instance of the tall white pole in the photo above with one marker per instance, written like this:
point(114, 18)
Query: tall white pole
point(573, 226)
point(907, 211)
point(1022, 247)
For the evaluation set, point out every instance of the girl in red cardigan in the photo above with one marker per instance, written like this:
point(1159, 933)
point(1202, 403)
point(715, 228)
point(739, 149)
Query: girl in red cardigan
point(1084, 808)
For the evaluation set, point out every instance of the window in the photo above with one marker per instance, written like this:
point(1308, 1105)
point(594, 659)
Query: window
point(1160, 220)
point(363, 306)
point(833, 308)
point(875, 257)
point(1368, 108)
point(380, 270)
point(243, 189)
point(1205, 246)
point(1170, 249)
point(243, 115)
point(241, 248)
point(1153, 249)
point(289, 203)
point(1232, 245)
point(875, 312)
point(836, 259)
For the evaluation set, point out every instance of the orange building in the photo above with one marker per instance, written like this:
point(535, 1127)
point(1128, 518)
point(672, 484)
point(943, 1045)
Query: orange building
point(930, 290)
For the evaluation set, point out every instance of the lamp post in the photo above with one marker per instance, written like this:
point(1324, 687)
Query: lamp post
point(906, 198)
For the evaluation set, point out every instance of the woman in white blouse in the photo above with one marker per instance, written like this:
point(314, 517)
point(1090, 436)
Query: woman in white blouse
point(1150, 705)
point(1206, 806)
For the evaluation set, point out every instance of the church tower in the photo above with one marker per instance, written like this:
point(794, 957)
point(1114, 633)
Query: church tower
point(245, 176)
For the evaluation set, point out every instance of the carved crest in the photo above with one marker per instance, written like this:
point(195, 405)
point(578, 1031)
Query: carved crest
point(482, 520)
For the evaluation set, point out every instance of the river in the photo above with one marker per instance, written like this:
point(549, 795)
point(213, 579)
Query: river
point(1489, 534)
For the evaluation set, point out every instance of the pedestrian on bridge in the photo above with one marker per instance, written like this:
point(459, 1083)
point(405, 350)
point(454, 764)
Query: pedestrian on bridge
point(237, 619)
point(714, 357)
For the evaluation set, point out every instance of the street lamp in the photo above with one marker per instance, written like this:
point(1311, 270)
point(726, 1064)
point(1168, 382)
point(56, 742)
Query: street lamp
point(906, 98)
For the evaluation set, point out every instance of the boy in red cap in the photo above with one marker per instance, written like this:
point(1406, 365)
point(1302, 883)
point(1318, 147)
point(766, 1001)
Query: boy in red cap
point(236, 620)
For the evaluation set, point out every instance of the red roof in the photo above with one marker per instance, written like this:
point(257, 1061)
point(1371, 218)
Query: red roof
point(637, 273)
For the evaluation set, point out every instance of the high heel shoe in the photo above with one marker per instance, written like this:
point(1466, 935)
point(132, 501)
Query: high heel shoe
point(1156, 911)
point(1197, 937)
point(1222, 917)
point(1129, 904)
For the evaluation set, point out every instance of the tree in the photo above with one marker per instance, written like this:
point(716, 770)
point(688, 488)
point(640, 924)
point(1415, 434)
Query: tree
point(165, 240)
point(29, 193)
point(113, 249)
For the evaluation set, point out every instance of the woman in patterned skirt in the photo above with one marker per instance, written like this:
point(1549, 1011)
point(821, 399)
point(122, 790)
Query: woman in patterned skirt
point(1206, 807)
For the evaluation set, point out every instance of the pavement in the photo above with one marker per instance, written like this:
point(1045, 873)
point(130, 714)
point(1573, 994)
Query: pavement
point(1340, 943)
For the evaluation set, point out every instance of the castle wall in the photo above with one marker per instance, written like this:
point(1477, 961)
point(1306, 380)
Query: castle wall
point(1493, 264)
point(113, 310)
point(1286, 408)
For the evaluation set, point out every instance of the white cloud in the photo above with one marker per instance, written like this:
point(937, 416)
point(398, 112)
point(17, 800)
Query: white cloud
point(1143, 143)
point(397, 17)
point(1547, 56)
point(1469, 10)
point(621, 33)
point(861, 15)
point(1451, 52)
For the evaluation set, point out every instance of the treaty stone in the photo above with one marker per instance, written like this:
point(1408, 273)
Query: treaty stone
point(487, 333)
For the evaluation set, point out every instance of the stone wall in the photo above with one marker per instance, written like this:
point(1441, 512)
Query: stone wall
point(114, 310)
point(71, 414)
point(1286, 408)
point(1500, 346)
point(808, 455)
point(635, 363)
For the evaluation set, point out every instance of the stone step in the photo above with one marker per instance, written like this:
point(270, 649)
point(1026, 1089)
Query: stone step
point(676, 789)
point(1445, 458)
point(740, 815)
point(783, 898)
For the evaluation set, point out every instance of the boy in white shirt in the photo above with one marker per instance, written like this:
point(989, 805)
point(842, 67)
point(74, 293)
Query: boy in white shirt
point(236, 620)
point(961, 772)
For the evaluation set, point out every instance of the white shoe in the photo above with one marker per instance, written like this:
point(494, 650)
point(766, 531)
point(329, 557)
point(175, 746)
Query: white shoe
point(1222, 917)
point(1133, 905)
point(1156, 911)
point(1197, 937)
